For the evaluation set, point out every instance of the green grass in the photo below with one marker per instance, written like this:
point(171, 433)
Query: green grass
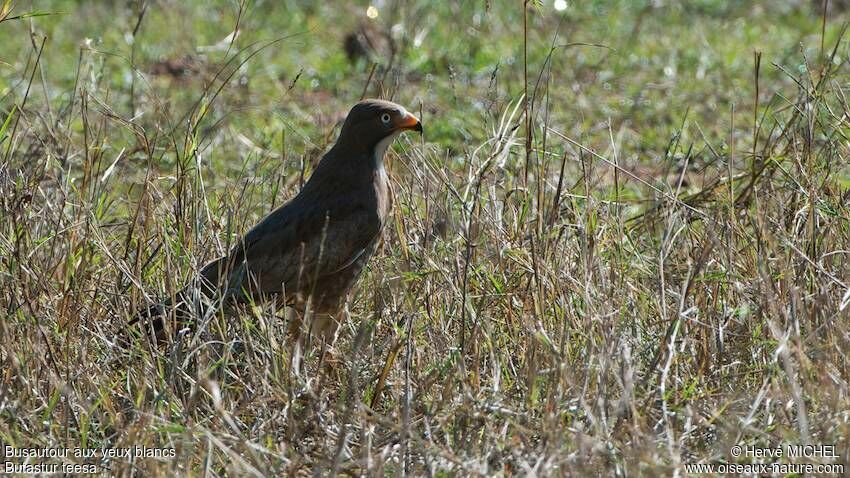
point(608, 301)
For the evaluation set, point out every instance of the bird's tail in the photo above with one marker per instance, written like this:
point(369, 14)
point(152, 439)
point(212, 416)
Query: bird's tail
point(155, 322)
point(149, 322)
point(172, 315)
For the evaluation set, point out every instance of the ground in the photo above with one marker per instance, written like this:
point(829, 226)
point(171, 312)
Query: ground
point(620, 246)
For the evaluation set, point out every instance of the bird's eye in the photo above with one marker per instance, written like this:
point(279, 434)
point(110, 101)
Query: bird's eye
point(385, 118)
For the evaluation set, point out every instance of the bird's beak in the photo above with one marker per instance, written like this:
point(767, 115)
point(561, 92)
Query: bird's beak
point(410, 122)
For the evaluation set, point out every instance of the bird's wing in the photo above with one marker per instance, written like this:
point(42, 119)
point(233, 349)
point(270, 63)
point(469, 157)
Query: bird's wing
point(294, 245)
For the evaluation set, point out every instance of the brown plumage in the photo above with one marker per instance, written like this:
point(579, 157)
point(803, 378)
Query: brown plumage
point(311, 249)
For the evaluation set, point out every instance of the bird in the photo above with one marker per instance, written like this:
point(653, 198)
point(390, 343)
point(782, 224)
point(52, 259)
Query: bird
point(309, 252)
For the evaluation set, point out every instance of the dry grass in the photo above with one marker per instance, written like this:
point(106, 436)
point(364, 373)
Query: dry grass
point(542, 303)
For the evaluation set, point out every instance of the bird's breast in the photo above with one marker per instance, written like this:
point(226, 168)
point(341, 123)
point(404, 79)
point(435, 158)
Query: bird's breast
point(383, 198)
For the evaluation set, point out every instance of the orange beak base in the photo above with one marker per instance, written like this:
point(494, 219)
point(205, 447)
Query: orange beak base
point(410, 122)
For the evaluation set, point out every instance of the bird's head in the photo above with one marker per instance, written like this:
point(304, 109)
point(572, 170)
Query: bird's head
point(371, 125)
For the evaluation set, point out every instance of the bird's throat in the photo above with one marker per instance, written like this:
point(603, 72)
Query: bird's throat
point(381, 150)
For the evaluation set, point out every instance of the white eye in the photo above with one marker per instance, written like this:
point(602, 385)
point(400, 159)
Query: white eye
point(385, 118)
